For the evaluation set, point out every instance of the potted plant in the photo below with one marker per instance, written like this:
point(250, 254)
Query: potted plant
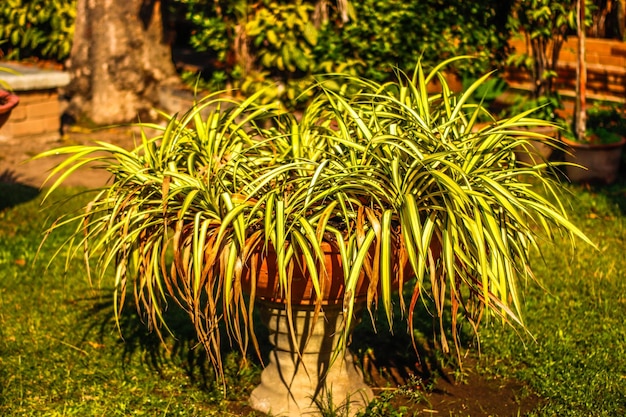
point(544, 25)
point(597, 135)
point(598, 154)
point(8, 100)
point(375, 189)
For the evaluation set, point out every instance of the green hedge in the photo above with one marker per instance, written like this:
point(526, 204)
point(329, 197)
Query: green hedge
point(398, 33)
point(255, 45)
point(285, 38)
point(37, 28)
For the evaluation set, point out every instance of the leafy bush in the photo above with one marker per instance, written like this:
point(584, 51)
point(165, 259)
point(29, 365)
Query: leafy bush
point(287, 40)
point(285, 36)
point(545, 26)
point(399, 33)
point(606, 124)
point(211, 24)
point(37, 28)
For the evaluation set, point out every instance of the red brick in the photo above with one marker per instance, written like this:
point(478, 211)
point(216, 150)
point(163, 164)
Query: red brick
point(51, 124)
point(17, 129)
point(593, 59)
point(568, 54)
point(18, 113)
point(44, 109)
point(598, 46)
point(38, 96)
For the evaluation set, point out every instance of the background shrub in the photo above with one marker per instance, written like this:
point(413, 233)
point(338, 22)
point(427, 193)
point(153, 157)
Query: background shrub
point(37, 28)
point(288, 40)
point(398, 33)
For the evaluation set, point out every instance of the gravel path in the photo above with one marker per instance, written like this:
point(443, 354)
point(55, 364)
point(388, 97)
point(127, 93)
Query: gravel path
point(16, 164)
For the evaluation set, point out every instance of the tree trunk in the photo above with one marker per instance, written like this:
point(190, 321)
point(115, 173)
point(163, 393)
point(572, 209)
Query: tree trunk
point(580, 113)
point(118, 60)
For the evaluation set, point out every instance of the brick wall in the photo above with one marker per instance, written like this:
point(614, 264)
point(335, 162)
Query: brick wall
point(36, 116)
point(606, 69)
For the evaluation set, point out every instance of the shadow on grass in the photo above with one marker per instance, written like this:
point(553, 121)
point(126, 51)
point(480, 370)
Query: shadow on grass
point(391, 358)
point(12, 192)
point(387, 358)
point(616, 192)
point(137, 340)
point(178, 347)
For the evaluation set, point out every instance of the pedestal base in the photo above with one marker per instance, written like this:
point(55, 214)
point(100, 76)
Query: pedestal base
point(295, 384)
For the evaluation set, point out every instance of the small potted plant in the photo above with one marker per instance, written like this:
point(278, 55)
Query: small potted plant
point(237, 207)
point(598, 154)
point(545, 26)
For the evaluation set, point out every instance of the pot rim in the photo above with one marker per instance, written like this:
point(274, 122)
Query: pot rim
point(10, 101)
point(598, 146)
point(267, 286)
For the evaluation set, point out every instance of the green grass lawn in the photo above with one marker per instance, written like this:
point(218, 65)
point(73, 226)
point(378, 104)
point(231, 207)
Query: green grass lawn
point(577, 361)
point(61, 352)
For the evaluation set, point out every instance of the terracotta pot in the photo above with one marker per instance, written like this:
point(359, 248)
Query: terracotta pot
point(539, 151)
point(8, 101)
point(261, 269)
point(602, 161)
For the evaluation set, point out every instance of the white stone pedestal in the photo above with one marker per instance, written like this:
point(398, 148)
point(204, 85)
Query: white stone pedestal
point(292, 383)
